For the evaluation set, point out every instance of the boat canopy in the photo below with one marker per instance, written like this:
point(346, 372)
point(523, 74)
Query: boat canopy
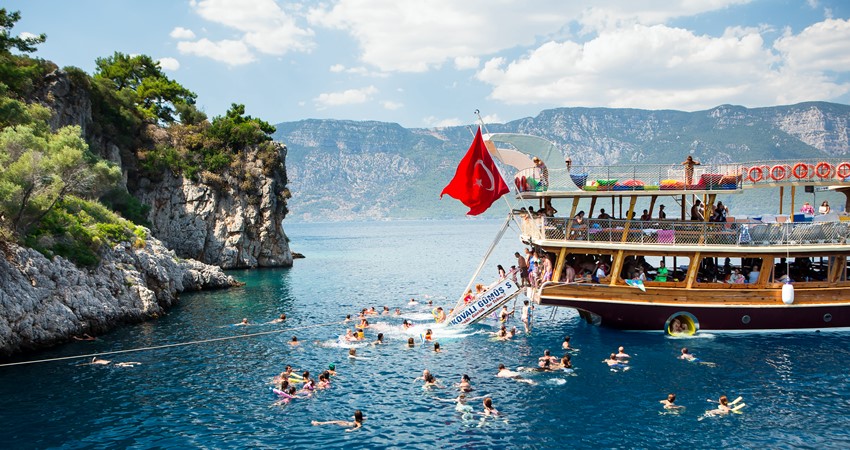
point(524, 147)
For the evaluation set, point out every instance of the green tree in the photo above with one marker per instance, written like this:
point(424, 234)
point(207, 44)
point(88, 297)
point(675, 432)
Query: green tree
point(154, 94)
point(9, 42)
point(39, 169)
point(237, 131)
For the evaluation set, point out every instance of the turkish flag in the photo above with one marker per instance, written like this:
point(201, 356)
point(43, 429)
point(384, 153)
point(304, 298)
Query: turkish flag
point(477, 182)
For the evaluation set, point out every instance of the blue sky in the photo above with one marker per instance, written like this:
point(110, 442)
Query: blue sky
point(433, 62)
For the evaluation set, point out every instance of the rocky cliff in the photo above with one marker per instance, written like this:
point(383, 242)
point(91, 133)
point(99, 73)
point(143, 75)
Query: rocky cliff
point(217, 219)
point(45, 302)
point(218, 222)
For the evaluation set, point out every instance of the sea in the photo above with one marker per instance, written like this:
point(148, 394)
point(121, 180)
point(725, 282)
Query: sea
point(214, 391)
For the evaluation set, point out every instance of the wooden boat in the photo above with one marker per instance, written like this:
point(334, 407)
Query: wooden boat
point(801, 279)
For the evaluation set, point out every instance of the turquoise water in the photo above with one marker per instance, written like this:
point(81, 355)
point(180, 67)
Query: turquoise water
point(215, 395)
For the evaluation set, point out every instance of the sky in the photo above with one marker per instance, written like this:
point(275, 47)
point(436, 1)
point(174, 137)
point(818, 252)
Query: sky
point(432, 63)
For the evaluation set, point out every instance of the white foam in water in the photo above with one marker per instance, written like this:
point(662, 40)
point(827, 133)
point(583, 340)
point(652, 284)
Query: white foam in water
point(556, 381)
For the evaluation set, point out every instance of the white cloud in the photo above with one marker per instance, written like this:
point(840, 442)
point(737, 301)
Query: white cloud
point(822, 46)
point(466, 62)
point(169, 64)
point(347, 97)
point(663, 67)
point(360, 70)
point(407, 37)
point(262, 26)
point(182, 33)
point(434, 122)
point(492, 118)
point(337, 68)
point(392, 106)
point(232, 53)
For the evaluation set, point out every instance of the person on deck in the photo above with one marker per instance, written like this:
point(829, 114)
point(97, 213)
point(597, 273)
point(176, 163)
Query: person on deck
point(603, 215)
point(754, 275)
point(689, 164)
point(523, 268)
point(807, 208)
point(661, 214)
point(697, 211)
point(824, 208)
point(544, 172)
point(645, 215)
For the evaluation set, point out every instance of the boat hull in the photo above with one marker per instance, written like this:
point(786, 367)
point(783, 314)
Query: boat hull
point(654, 315)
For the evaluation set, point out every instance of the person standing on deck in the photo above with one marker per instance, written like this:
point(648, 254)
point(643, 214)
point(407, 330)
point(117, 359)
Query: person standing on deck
point(697, 211)
point(544, 172)
point(689, 164)
point(523, 268)
point(661, 214)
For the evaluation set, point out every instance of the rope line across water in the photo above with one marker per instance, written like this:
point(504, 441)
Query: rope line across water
point(179, 344)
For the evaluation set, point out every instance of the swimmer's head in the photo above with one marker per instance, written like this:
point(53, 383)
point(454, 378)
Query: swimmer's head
point(352, 351)
point(306, 374)
point(358, 416)
point(488, 403)
point(723, 400)
point(546, 352)
point(684, 350)
point(294, 339)
point(410, 342)
point(436, 346)
point(671, 398)
point(620, 349)
point(331, 367)
point(380, 336)
point(501, 366)
point(613, 356)
point(465, 377)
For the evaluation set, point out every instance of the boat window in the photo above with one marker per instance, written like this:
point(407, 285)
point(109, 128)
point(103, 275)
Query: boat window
point(800, 269)
point(733, 270)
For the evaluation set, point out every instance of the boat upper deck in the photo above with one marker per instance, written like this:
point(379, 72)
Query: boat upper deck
point(665, 236)
point(673, 179)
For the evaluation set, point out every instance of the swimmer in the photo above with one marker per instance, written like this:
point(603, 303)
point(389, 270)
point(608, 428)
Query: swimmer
point(128, 364)
point(358, 422)
point(512, 333)
point(425, 374)
point(294, 341)
point(100, 362)
point(379, 340)
point(412, 301)
point(431, 382)
point(280, 319)
point(566, 363)
point(347, 318)
point(324, 381)
point(546, 358)
point(398, 311)
point(285, 396)
point(428, 335)
point(489, 410)
point(430, 303)
point(502, 334)
point(360, 335)
point(406, 324)
point(411, 343)
point(372, 311)
point(349, 336)
point(464, 385)
point(437, 347)
point(566, 345)
point(622, 356)
point(331, 370)
point(439, 315)
point(352, 353)
point(363, 323)
point(243, 322)
point(84, 337)
point(505, 373)
point(690, 357)
point(723, 407)
point(669, 403)
point(504, 313)
point(615, 363)
point(386, 311)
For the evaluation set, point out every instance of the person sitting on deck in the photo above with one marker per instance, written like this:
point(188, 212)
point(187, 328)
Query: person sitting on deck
point(603, 215)
point(754, 275)
point(807, 209)
point(578, 225)
point(645, 215)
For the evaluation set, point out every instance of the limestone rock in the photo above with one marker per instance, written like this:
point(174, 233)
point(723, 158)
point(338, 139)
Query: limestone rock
point(44, 302)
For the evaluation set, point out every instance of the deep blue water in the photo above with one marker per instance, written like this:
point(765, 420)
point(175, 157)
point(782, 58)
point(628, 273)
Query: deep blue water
point(215, 395)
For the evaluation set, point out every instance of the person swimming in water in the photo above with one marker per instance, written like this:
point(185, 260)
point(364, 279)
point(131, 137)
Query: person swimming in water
point(622, 356)
point(331, 370)
point(506, 373)
point(690, 357)
point(723, 407)
point(566, 363)
point(546, 358)
point(406, 324)
point(347, 318)
point(294, 341)
point(437, 347)
point(489, 410)
point(464, 385)
point(670, 402)
point(425, 374)
point(412, 301)
point(280, 319)
point(358, 422)
point(431, 382)
point(428, 335)
point(352, 353)
point(566, 345)
point(243, 322)
point(398, 311)
point(379, 340)
point(411, 343)
point(439, 315)
point(615, 363)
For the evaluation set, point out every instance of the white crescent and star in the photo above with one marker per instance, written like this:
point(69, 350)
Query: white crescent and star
point(489, 175)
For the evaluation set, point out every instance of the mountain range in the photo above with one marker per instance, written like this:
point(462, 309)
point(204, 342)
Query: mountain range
point(346, 170)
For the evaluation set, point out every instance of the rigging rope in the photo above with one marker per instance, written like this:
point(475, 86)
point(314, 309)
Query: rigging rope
point(158, 347)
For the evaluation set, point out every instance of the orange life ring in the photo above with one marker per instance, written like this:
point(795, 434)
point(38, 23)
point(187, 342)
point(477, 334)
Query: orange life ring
point(843, 170)
point(778, 172)
point(823, 165)
point(804, 173)
point(759, 174)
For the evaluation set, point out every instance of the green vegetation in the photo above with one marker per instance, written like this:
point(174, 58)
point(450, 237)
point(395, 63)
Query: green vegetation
point(56, 192)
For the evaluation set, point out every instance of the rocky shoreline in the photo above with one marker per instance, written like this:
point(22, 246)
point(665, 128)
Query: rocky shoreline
point(45, 302)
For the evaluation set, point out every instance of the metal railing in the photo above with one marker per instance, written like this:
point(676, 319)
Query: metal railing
point(685, 232)
point(661, 177)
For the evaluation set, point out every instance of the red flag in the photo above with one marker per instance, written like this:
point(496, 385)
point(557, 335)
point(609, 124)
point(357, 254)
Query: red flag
point(477, 182)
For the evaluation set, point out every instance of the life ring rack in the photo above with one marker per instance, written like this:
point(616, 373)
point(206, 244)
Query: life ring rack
point(778, 172)
point(801, 170)
point(842, 170)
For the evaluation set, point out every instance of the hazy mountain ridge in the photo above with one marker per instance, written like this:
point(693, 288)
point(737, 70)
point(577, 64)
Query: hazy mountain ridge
point(347, 170)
